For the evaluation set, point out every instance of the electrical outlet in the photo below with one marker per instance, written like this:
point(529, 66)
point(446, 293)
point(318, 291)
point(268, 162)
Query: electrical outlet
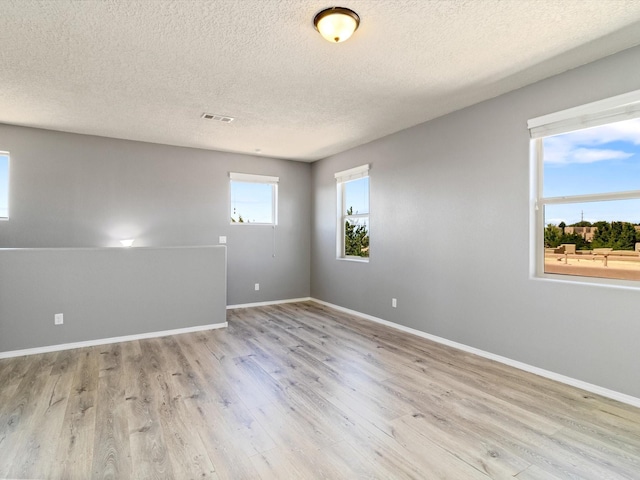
point(257, 287)
point(222, 239)
point(58, 319)
point(394, 302)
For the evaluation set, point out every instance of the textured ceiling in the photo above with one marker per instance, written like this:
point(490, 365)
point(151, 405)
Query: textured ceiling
point(147, 70)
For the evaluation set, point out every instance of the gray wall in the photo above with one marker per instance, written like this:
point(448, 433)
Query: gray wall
point(107, 292)
point(444, 197)
point(450, 237)
point(72, 190)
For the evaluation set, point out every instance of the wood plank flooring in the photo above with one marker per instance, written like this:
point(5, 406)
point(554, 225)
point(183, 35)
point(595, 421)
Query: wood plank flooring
point(301, 391)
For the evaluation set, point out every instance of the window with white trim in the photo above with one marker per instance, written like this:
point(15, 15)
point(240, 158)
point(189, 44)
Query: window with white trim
point(4, 185)
point(586, 191)
point(253, 199)
point(353, 213)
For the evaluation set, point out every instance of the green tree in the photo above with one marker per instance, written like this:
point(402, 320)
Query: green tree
point(552, 236)
point(616, 235)
point(356, 237)
point(583, 223)
point(562, 226)
point(576, 239)
point(627, 238)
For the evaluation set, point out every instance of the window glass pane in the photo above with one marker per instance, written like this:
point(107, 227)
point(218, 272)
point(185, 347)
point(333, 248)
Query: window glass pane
point(251, 202)
point(356, 196)
point(356, 237)
point(4, 185)
point(601, 159)
point(594, 239)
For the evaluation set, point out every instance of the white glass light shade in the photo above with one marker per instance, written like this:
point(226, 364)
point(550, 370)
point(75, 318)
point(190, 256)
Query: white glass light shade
point(128, 242)
point(336, 24)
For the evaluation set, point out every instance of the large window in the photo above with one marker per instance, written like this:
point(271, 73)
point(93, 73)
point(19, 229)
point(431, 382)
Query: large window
point(353, 213)
point(587, 191)
point(254, 199)
point(4, 185)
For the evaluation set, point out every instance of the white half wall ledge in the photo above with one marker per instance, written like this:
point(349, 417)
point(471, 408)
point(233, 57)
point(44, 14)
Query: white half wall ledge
point(589, 387)
point(106, 341)
point(273, 302)
point(107, 294)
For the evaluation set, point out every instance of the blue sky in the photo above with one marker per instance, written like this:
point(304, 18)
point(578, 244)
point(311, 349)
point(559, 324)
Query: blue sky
point(357, 195)
point(252, 201)
point(601, 159)
point(4, 185)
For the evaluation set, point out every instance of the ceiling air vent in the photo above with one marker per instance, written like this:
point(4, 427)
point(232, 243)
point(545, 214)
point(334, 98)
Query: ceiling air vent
point(218, 118)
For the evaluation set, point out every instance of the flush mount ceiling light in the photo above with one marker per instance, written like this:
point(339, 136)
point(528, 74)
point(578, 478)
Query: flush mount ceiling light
point(336, 24)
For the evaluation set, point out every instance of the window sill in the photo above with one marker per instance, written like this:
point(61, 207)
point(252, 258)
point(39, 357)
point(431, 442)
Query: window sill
point(354, 259)
point(256, 224)
point(587, 281)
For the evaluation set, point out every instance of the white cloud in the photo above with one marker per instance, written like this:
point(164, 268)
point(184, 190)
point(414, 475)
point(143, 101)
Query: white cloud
point(584, 155)
point(582, 146)
point(554, 221)
point(626, 131)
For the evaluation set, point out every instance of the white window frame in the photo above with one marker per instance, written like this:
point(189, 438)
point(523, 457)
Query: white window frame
point(341, 179)
point(4, 153)
point(610, 110)
point(253, 178)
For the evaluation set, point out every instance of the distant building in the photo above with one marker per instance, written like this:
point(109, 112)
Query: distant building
point(584, 232)
point(588, 232)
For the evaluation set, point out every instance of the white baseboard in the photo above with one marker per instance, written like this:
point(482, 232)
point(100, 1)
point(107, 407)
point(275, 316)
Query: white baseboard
point(589, 387)
point(105, 341)
point(273, 302)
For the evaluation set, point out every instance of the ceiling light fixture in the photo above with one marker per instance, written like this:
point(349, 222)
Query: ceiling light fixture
point(336, 24)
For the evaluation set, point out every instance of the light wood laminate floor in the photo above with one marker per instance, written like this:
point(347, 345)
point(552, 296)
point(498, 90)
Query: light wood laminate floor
point(301, 391)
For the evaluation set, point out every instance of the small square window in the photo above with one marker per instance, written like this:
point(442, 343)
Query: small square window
point(4, 185)
point(353, 214)
point(253, 199)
